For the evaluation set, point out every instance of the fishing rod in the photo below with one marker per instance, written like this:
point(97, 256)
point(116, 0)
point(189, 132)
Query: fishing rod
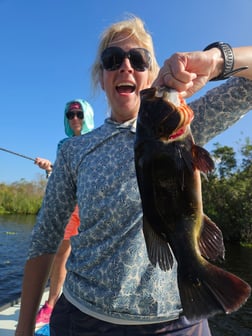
point(11, 152)
point(23, 156)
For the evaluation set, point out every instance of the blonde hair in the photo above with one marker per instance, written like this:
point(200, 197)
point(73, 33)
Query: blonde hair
point(133, 27)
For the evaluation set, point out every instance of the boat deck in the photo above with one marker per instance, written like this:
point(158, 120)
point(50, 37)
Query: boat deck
point(9, 316)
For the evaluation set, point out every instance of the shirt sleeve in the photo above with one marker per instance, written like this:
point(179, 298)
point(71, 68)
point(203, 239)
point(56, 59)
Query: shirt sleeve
point(57, 206)
point(220, 108)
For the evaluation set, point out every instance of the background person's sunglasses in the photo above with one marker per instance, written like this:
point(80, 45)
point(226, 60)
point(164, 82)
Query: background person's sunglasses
point(70, 115)
point(113, 57)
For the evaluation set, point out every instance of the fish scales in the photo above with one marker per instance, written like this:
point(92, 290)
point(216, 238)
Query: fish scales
point(168, 165)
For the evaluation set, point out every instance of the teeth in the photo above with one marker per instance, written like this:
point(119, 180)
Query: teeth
point(125, 84)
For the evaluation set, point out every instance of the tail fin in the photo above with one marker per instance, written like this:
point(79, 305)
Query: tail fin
point(210, 291)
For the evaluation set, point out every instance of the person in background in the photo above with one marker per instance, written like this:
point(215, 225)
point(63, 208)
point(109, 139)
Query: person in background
point(78, 119)
point(111, 288)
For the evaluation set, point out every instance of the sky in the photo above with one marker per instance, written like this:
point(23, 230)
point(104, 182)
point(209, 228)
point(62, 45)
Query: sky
point(47, 50)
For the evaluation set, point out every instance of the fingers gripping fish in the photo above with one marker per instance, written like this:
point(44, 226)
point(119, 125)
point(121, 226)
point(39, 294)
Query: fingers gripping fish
point(168, 166)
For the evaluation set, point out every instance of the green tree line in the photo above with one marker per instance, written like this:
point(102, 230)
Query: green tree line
point(227, 193)
point(22, 197)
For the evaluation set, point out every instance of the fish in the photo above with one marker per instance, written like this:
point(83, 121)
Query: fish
point(169, 166)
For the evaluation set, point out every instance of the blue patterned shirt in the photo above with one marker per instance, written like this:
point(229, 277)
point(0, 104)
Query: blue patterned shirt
point(109, 273)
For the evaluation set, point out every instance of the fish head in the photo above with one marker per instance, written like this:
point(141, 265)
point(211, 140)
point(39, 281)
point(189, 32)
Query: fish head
point(163, 112)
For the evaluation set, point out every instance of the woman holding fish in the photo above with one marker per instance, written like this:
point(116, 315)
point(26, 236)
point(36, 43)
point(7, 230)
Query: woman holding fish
point(112, 287)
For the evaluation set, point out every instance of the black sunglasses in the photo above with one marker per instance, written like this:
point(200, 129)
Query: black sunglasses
point(70, 115)
point(113, 57)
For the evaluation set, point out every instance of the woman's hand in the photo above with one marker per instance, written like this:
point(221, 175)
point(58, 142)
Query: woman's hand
point(188, 72)
point(44, 164)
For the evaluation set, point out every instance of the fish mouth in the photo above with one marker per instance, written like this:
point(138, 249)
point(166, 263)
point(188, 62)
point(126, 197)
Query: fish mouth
point(174, 117)
point(168, 94)
point(172, 97)
point(126, 87)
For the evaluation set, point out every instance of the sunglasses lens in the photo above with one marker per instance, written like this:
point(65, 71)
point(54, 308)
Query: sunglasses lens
point(80, 115)
point(112, 58)
point(70, 115)
point(139, 59)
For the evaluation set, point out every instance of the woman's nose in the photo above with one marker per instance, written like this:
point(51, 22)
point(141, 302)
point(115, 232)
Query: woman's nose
point(126, 65)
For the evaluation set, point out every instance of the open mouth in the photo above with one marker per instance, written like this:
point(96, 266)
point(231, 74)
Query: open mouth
point(125, 88)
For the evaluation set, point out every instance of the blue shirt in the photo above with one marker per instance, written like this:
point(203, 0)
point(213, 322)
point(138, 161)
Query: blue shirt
point(109, 273)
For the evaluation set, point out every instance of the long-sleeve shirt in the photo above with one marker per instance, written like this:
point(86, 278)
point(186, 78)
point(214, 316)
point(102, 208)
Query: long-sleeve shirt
point(109, 273)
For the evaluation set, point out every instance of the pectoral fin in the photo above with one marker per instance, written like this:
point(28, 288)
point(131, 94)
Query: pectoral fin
point(158, 249)
point(202, 159)
point(211, 243)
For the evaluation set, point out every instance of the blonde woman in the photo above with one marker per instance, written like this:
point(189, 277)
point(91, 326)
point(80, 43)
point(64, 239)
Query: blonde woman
point(111, 288)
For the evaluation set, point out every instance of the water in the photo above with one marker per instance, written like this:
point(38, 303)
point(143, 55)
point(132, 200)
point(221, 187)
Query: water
point(14, 239)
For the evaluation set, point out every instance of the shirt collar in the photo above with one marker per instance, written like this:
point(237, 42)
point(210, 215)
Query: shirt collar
point(130, 124)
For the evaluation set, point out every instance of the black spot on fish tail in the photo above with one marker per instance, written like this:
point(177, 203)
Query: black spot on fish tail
point(211, 242)
point(158, 250)
point(202, 159)
point(209, 290)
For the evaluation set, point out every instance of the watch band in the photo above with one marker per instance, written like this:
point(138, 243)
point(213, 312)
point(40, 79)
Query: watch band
point(228, 56)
